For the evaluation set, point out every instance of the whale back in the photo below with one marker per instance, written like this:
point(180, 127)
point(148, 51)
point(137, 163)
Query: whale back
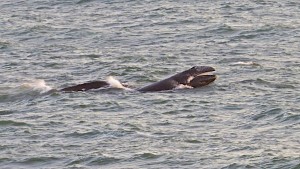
point(86, 86)
point(167, 84)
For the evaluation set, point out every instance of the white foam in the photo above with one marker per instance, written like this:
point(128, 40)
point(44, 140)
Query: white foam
point(114, 82)
point(38, 85)
point(246, 63)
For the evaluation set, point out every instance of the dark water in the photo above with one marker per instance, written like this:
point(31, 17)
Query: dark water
point(249, 118)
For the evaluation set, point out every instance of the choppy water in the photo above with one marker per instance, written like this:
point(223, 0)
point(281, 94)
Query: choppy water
point(249, 118)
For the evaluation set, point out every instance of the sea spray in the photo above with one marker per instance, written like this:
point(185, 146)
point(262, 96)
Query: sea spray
point(116, 83)
point(37, 85)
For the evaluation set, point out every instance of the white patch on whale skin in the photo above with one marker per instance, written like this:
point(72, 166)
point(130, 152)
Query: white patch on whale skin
point(190, 78)
point(202, 74)
point(182, 86)
point(206, 73)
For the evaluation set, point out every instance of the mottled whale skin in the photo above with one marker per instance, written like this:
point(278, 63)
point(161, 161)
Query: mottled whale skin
point(192, 77)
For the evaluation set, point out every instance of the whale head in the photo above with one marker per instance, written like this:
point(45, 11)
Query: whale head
point(196, 76)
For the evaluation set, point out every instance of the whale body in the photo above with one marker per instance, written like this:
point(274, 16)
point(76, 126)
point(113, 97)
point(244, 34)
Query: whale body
point(193, 78)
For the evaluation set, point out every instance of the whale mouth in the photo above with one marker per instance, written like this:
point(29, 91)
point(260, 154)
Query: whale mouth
point(204, 77)
point(202, 80)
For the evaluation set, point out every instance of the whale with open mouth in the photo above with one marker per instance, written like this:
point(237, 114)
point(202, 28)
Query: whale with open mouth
point(194, 77)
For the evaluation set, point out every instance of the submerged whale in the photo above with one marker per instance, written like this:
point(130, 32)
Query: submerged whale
point(192, 78)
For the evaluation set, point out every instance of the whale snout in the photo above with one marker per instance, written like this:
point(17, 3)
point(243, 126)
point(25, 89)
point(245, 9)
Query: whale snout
point(202, 69)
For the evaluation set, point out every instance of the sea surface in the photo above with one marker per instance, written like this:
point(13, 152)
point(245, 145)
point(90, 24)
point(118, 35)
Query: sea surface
point(248, 118)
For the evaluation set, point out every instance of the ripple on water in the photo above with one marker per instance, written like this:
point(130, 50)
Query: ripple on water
point(84, 134)
point(146, 156)
point(93, 161)
point(4, 44)
point(38, 161)
point(282, 162)
point(131, 127)
point(12, 123)
point(84, 1)
point(273, 113)
point(291, 118)
point(262, 82)
point(6, 112)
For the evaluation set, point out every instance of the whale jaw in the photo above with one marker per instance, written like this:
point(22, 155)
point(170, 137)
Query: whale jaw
point(202, 80)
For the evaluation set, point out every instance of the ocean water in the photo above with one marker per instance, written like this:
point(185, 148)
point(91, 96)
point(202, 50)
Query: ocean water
point(248, 118)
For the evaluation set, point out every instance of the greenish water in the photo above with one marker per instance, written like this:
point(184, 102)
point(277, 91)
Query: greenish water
point(248, 118)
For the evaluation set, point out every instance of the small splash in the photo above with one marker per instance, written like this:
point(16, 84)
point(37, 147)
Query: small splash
point(37, 85)
point(251, 63)
point(116, 83)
